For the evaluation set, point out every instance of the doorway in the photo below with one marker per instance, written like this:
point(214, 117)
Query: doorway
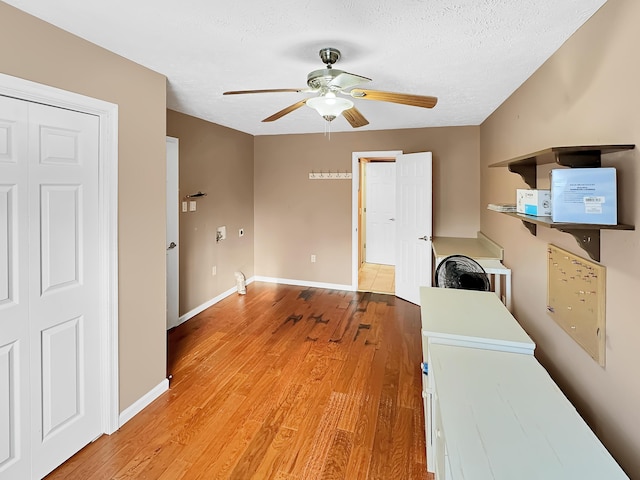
point(376, 271)
point(412, 220)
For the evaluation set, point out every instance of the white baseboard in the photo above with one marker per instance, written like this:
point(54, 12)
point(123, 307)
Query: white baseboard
point(304, 283)
point(140, 404)
point(284, 281)
point(213, 301)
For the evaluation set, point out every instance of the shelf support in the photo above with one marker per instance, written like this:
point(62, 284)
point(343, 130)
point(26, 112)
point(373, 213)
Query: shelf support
point(532, 227)
point(526, 171)
point(589, 240)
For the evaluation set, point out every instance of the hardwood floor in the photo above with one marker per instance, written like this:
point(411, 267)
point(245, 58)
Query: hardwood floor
point(373, 277)
point(284, 383)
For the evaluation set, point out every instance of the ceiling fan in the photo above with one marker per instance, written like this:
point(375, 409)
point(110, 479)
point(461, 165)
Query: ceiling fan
point(328, 83)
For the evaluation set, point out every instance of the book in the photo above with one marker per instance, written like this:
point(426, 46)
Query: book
point(502, 207)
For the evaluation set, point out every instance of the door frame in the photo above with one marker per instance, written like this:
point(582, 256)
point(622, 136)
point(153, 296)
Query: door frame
point(355, 188)
point(108, 225)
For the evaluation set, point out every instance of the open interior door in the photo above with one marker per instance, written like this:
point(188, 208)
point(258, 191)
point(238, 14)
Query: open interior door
point(172, 233)
point(413, 224)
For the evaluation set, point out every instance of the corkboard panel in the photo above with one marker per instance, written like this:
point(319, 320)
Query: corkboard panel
point(576, 299)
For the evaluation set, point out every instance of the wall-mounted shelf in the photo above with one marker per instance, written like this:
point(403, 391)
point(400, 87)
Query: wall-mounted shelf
point(576, 157)
point(587, 235)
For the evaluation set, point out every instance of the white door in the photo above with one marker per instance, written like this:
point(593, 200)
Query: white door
point(413, 224)
point(380, 187)
point(15, 450)
point(52, 220)
point(172, 233)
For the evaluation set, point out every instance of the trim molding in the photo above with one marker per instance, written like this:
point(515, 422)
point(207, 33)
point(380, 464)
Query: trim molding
point(143, 402)
point(201, 308)
point(284, 281)
point(304, 283)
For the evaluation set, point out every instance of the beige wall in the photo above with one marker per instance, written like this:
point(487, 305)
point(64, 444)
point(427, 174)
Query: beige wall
point(296, 217)
point(42, 53)
point(587, 93)
point(218, 161)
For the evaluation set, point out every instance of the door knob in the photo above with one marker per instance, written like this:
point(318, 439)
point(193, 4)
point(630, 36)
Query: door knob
point(392, 219)
point(425, 238)
point(172, 245)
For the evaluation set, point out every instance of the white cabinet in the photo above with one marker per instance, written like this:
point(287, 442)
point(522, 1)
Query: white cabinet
point(491, 410)
point(471, 318)
point(500, 416)
point(465, 318)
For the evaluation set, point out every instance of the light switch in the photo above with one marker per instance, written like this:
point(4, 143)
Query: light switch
point(192, 205)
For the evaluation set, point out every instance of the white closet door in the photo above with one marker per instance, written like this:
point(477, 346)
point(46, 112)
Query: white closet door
point(14, 307)
point(63, 277)
point(49, 302)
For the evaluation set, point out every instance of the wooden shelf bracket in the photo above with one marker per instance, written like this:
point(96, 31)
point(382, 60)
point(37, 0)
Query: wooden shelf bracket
point(589, 240)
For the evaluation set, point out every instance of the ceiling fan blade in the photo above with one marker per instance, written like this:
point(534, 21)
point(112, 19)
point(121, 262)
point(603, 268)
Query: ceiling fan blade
point(347, 80)
point(355, 118)
point(271, 90)
point(403, 98)
point(284, 111)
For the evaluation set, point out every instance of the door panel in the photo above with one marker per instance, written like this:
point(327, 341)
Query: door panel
point(9, 416)
point(61, 375)
point(61, 225)
point(8, 230)
point(413, 224)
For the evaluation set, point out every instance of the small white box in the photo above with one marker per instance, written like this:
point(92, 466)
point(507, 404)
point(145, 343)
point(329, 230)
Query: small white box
point(584, 195)
point(533, 202)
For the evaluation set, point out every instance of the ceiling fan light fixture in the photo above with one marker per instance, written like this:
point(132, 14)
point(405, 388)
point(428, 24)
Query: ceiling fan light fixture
point(329, 106)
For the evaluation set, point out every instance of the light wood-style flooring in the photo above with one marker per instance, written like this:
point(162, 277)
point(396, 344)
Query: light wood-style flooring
point(373, 277)
point(283, 383)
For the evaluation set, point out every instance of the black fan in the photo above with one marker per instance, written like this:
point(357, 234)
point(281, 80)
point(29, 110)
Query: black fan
point(459, 271)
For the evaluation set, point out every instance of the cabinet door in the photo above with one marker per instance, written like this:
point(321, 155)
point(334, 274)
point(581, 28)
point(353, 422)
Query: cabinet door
point(440, 447)
point(428, 428)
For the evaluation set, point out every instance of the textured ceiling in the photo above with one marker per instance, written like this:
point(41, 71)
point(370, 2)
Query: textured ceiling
point(471, 54)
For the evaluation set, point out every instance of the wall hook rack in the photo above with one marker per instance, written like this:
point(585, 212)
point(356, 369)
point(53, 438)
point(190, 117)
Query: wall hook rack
point(330, 175)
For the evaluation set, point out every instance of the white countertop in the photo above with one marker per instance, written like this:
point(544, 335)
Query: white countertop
point(504, 418)
point(480, 248)
point(470, 315)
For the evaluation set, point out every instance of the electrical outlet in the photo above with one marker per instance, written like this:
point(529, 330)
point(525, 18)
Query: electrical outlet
point(313, 259)
point(184, 206)
point(214, 271)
